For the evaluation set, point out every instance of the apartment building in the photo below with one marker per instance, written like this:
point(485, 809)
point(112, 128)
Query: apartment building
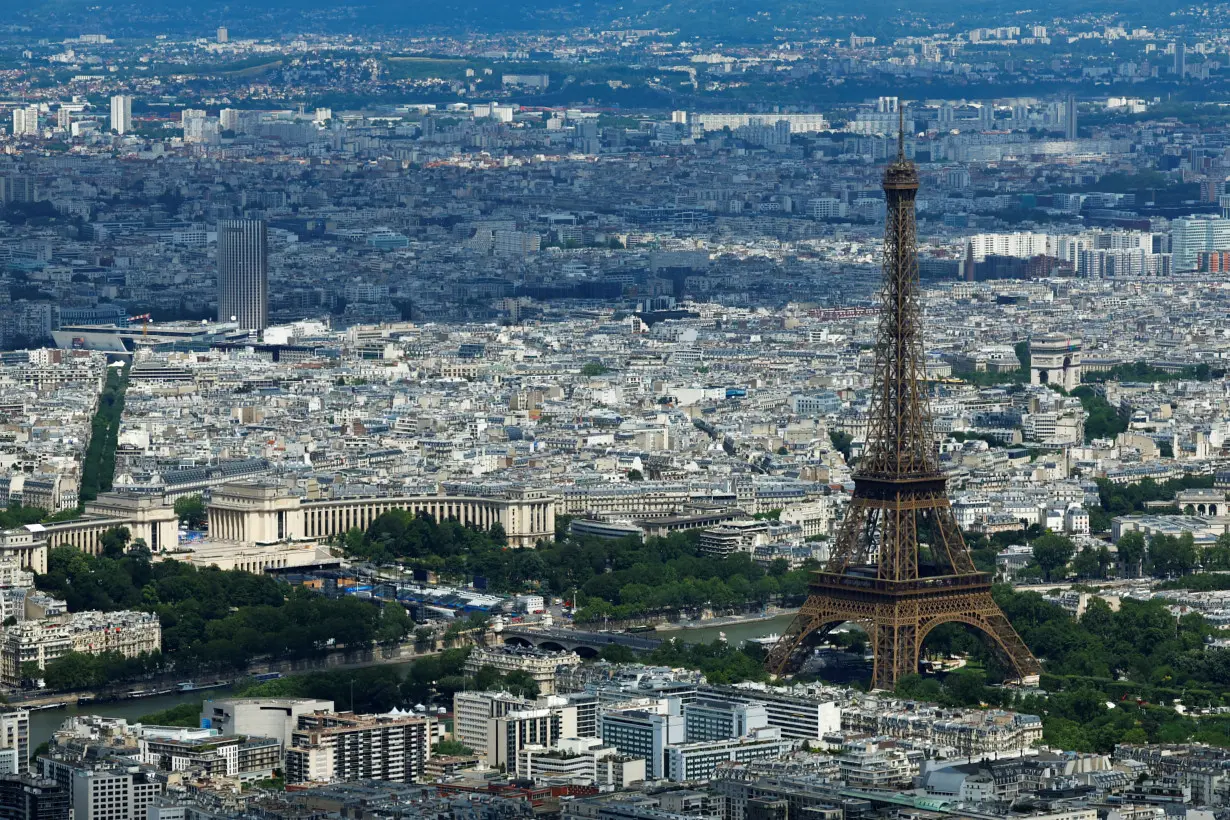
point(260, 717)
point(877, 764)
point(26, 797)
point(719, 720)
point(584, 760)
point(539, 663)
point(242, 758)
point(472, 711)
point(508, 734)
point(698, 761)
point(44, 640)
point(14, 741)
point(121, 793)
point(799, 717)
point(330, 747)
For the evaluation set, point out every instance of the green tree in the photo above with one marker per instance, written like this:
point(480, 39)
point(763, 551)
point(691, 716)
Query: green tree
point(98, 465)
point(617, 653)
point(1131, 549)
point(18, 516)
point(488, 678)
point(842, 443)
point(1103, 420)
point(1099, 520)
point(521, 683)
point(395, 624)
point(1086, 565)
point(1171, 555)
point(191, 511)
point(1104, 560)
point(211, 619)
point(721, 663)
point(31, 671)
point(1217, 557)
point(591, 369)
point(185, 714)
point(114, 541)
point(916, 687)
point(1023, 356)
point(1052, 552)
point(965, 688)
point(375, 689)
point(75, 670)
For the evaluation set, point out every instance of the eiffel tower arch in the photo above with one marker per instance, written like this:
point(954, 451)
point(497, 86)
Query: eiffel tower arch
point(899, 566)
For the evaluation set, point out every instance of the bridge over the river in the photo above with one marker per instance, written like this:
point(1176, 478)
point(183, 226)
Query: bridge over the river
point(585, 644)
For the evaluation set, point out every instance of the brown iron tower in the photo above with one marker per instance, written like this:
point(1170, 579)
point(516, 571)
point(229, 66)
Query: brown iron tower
point(899, 566)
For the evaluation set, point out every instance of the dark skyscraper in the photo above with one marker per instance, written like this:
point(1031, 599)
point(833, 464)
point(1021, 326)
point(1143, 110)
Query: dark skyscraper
point(1069, 117)
point(899, 566)
point(243, 272)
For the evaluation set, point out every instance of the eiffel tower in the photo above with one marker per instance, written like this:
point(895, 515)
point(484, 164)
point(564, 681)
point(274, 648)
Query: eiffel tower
point(899, 566)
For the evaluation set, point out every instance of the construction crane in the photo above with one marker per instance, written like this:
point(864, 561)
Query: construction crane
point(144, 319)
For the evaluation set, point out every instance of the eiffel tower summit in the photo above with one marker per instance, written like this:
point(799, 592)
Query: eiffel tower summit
point(899, 566)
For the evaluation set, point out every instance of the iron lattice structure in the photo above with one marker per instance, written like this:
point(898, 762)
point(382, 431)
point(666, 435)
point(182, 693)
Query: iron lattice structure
point(899, 565)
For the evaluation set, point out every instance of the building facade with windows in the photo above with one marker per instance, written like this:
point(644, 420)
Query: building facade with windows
point(330, 747)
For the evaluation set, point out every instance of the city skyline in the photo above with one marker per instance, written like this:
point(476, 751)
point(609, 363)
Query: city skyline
point(571, 412)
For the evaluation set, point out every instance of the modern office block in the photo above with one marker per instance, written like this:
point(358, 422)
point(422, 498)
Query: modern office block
point(243, 273)
point(705, 719)
point(644, 735)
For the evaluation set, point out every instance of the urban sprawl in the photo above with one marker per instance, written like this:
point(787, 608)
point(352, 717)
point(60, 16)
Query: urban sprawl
point(423, 424)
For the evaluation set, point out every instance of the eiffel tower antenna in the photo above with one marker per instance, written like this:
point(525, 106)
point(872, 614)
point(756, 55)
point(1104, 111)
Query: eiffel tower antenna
point(899, 566)
point(900, 132)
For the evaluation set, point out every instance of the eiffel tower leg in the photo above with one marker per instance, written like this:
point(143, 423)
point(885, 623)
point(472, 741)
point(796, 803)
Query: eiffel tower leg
point(992, 621)
point(982, 613)
point(896, 637)
point(1018, 653)
point(807, 620)
point(817, 615)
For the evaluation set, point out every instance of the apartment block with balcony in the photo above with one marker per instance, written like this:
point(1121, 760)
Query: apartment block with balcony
point(330, 747)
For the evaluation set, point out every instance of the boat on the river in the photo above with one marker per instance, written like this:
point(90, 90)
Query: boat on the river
point(189, 686)
point(767, 640)
point(42, 706)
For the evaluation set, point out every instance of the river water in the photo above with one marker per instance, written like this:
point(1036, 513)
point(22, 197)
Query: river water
point(45, 721)
point(735, 633)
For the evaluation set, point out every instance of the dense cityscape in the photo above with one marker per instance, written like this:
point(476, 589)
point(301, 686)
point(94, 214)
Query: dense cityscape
point(614, 412)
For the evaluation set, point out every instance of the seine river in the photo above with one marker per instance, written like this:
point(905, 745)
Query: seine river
point(735, 633)
point(44, 722)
